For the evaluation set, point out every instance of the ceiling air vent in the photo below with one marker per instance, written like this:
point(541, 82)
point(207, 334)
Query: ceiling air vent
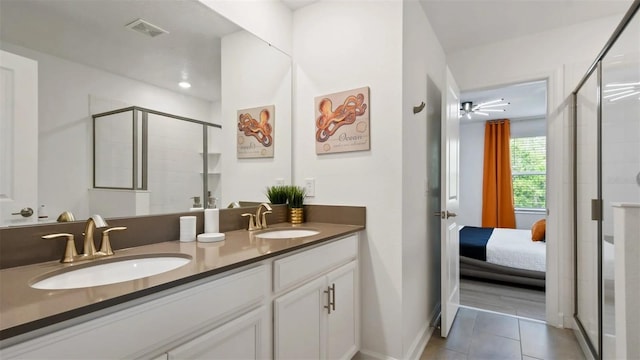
point(146, 28)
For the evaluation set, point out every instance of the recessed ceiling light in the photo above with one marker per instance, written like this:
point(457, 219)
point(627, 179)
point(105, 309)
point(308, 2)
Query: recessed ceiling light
point(184, 84)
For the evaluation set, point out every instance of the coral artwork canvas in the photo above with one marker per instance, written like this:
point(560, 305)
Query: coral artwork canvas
point(342, 121)
point(256, 132)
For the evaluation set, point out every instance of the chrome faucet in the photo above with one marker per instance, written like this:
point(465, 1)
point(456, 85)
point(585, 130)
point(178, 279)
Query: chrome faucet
point(255, 222)
point(94, 222)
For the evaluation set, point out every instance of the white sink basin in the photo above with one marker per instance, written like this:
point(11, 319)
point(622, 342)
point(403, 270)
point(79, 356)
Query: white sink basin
point(111, 272)
point(286, 233)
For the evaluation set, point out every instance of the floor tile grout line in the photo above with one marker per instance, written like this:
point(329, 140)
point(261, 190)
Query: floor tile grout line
point(503, 314)
point(520, 333)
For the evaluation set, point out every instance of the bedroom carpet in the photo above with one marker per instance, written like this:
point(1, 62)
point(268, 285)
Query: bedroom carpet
point(483, 335)
point(512, 300)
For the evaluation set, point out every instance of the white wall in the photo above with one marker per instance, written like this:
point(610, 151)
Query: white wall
point(472, 169)
point(65, 151)
point(340, 46)
point(269, 20)
point(254, 74)
point(545, 55)
point(422, 57)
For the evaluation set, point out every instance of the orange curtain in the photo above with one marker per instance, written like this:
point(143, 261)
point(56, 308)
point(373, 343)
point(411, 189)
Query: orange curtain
point(497, 188)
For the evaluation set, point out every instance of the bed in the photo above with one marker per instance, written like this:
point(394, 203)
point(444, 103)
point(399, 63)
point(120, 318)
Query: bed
point(499, 254)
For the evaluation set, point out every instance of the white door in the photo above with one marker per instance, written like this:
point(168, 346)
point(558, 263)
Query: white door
point(18, 139)
point(450, 260)
point(300, 321)
point(242, 338)
point(342, 339)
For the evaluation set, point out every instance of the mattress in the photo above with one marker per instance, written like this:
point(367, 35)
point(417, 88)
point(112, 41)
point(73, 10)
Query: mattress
point(509, 248)
point(514, 248)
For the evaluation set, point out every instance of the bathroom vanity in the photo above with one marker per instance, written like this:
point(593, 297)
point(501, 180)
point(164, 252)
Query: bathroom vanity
point(246, 297)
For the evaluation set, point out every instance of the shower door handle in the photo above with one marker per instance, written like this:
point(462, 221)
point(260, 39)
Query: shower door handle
point(596, 209)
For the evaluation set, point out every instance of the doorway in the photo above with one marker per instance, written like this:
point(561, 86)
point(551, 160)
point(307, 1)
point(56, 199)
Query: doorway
point(505, 277)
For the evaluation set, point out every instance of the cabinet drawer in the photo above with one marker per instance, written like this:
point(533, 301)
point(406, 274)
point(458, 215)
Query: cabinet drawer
point(296, 268)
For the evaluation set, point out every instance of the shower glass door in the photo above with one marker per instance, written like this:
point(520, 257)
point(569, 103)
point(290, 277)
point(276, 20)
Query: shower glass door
point(587, 108)
point(620, 159)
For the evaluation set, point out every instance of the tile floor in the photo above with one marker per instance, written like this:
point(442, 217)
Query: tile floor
point(503, 298)
point(484, 335)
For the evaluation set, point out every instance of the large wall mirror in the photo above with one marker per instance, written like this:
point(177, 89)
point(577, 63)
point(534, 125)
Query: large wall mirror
point(94, 57)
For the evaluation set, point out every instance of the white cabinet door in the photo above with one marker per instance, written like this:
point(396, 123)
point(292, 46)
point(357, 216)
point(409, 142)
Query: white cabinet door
point(299, 322)
point(342, 338)
point(319, 320)
point(243, 338)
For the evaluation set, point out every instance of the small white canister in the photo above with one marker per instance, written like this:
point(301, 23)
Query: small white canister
point(187, 228)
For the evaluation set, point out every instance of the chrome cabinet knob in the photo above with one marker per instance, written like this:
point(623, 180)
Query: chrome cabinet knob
point(26, 212)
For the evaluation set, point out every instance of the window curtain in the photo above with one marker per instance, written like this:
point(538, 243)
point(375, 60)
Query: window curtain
point(497, 187)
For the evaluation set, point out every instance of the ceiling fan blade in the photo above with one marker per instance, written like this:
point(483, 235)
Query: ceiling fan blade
point(490, 102)
point(494, 105)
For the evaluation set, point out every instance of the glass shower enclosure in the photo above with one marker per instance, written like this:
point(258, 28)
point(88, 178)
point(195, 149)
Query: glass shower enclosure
point(606, 174)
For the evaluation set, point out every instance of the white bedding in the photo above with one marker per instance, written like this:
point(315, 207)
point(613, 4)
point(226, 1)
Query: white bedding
point(514, 248)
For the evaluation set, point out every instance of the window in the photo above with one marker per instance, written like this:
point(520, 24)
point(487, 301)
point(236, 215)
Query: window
point(529, 171)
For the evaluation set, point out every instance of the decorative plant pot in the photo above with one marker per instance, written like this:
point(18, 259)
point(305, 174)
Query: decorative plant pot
point(296, 215)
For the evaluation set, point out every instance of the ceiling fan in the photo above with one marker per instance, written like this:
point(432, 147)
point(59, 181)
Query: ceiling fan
point(484, 108)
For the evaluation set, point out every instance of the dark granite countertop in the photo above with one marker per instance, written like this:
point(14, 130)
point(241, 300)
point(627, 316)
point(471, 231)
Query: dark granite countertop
point(24, 309)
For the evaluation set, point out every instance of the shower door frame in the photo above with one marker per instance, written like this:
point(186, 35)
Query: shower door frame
point(597, 208)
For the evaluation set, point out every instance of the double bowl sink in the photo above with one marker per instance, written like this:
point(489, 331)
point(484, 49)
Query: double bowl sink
point(111, 271)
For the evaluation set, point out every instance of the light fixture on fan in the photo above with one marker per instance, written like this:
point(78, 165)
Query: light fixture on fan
point(483, 108)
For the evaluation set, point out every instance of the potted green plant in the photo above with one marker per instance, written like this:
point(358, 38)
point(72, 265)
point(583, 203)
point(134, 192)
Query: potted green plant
point(295, 200)
point(277, 194)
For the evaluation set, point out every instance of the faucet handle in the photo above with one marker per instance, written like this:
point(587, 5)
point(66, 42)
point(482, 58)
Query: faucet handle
point(70, 248)
point(263, 223)
point(252, 222)
point(105, 247)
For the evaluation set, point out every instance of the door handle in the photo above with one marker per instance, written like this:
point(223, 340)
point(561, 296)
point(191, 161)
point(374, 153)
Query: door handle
point(328, 306)
point(26, 212)
point(444, 214)
point(333, 297)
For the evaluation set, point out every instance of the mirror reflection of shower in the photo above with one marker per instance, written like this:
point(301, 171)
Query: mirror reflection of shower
point(152, 162)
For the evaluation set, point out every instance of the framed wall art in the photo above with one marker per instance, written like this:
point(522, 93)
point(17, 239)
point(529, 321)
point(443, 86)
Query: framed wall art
point(342, 121)
point(256, 132)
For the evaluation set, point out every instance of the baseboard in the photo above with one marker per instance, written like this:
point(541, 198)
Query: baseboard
point(372, 355)
point(418, 345)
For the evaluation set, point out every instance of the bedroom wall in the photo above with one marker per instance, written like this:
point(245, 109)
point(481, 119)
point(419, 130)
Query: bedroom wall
point(471, 169)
